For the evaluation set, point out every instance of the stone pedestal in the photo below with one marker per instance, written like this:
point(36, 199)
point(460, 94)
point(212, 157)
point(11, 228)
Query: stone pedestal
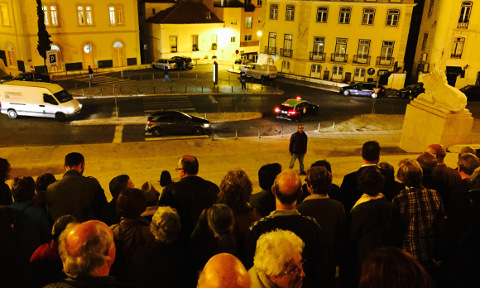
point(425, 125)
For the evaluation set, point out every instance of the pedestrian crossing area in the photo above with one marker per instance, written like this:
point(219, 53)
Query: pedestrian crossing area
point(104, 79)
point(167, 103)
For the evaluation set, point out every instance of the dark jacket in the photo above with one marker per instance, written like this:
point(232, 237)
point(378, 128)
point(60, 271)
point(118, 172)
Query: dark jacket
point(88, 282)
point(5, 194)
point(263, 202)
point(77, 195)
point(298, 143)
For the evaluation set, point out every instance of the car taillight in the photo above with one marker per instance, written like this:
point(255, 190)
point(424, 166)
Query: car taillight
point(277, 109)
point(149, 122)
point(292, 112)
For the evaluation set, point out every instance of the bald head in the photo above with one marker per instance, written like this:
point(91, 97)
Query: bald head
point(287, 187)
point(224, 270)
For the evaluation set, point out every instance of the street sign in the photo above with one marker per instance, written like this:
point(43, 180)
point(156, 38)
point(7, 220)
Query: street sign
point(52, 58)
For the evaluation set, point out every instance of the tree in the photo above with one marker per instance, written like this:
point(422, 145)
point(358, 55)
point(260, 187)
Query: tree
point(43, 36)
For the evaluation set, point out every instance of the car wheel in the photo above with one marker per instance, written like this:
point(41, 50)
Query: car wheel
point(60, 117)
point(346, 93)
point(374, 95)
point(12, 114)
point(197, 131)
point(157, 132)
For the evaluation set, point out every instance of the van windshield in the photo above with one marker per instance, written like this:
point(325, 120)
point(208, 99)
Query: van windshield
point(63, 96)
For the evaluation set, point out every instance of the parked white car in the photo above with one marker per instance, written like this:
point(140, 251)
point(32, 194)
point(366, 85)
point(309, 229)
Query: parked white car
point(163, 63)
point(261, 71)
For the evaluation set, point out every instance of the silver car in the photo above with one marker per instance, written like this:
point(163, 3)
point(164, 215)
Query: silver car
point(164, 63)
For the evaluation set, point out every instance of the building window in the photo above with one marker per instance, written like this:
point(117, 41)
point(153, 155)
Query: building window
point(85, 16)
point(290, 13)
point(430, 8)
point(337, 71)
point(173, 43)
point(322, 14)
point(259, 2)
point(392, 17)
point(214, 41)
point(50, 13)
point(232, 39)
point(457, 50)
point(368, 16)
point(424, 42)
point(248, 22)
point(153, 11)
point(341, 47)
point(272, 43)
point(273, 11)
point(116, 15)
point(359, 73)
point(194, 42)
point(248, 37)
point(387, 50)
point(315, 70)
point(465, 14)
point(11, 59)
point(4, 16)
point(287, 45)
point(233, 21)
point(286, 66)
point(318, 45)
point(344, 16)
point(363, 50)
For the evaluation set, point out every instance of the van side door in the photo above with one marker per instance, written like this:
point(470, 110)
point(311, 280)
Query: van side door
point(49, 105)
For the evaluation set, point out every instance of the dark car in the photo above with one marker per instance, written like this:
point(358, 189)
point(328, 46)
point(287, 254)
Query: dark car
point(33, 76)
point(183, 62)
point(472, 92)
point(295, 109)
point(411, 91)
point(363, 89)
point(175, 122)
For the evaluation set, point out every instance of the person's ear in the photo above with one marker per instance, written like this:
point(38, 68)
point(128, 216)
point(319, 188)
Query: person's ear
point(273, 190)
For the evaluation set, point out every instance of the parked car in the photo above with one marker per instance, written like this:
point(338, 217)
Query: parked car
point(164, 63)
point(295, 109)
point(472, 92)
point(175, 122)
point(261, 71)
point(33, 76)
point(180, 60)
point(363, 89)
point(411, 91)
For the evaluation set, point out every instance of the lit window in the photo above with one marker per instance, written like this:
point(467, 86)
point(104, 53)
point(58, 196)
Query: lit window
point(392, 17)
point(337, 70)
point(368, 16)
point(290, 13)
point(248, 22)
point(232, 39)
point(116, 15)
point(359, 73)
point(194, 42)
point(173, 43)
point(50, 13)
point(322, 14)
point(344, 16)
point(4, 17)
point(259, 2)
point(457, 50)
point(248, 37)
point(85, 16)
point(465, 14)
point(274, 11)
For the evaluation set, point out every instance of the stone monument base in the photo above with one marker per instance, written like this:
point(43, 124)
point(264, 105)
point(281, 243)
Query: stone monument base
point(425, 125)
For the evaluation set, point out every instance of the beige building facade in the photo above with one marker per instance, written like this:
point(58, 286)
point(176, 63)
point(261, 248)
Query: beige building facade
point(100, 34)
point(449, 41)
point(335, 40)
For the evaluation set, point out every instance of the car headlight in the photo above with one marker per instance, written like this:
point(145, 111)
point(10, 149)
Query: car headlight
point(206, 125)
point(70, 110)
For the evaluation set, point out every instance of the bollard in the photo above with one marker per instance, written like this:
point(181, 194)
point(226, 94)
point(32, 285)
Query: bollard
point(138, 90)
point(113, 89)
point(281, 132)
point(121, 73)
point(318, 126)
point(236, 134)
point(258, 132)
point(83, 93)
point(205, 115)
point(333, 126)
point(101, 92)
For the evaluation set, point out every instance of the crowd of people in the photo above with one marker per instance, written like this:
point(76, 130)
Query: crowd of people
point(372, 231)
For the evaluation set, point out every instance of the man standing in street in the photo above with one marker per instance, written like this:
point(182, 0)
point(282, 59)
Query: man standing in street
point(298, 148)
point(165, 71)
point(90, 72)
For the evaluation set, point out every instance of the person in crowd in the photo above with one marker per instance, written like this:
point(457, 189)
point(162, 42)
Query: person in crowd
point(428, 162)
point(151, 197)
point(75, 194)
point(190, 196)
point(372, 217)
point(5, 193)
point(467, 149)
point(165, 178)
point(224, 270)
point(163, 263)
point(45, 263)
point(391, 267)
point(298, 148)
point(392, 186)
point(328, 212)
point(31, 223)
point(349, 188)
point(87, 251)
point(235, 191)
point(467, 163)
point(117, 185)
point(287, 189)
point(278, 261)
point(264, 201)
point(213, 234)
point(131, 233)
point(12, 266)
point(421, 213)
point(333, 189)
point(41, 184)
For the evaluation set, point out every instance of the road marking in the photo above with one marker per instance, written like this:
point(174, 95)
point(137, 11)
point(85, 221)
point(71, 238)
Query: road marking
point(118, 136)
point(175, 137)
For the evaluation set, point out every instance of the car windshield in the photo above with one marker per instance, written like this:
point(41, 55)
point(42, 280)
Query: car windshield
point(63, 96)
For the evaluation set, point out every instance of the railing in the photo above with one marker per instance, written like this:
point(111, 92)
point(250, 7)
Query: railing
point(270, 50)
point(173, 48)
point(361, 59)
point(286, 52)
point(338, 57)
point(456, 55)
point(385, 61)
point(462, 25)
point(317, 56)
point(249, 43)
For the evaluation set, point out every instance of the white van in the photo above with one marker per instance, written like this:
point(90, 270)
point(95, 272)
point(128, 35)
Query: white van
point(37, 99)
point(261, 71)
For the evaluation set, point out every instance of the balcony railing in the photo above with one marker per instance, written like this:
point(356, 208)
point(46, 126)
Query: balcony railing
point(270, 50)
point(286, 52)
point(173, 49)
point(385, 61)
point(317, 56)
point(462, 25)
point(361, 59)
point(338, 57)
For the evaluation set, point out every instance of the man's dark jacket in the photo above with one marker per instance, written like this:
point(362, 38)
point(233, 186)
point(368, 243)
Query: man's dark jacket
point(298, 143)
point(77, 195)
